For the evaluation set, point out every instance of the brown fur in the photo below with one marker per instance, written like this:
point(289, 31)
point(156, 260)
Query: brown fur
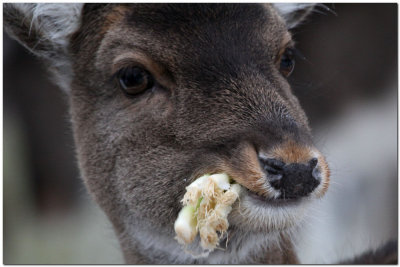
point(326, 173)
point(248, 172)
point(220, 100)
point(291, 152)
point(113, 17)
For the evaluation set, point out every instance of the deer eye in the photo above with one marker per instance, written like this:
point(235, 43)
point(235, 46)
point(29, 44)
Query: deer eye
point(287, 62)
point(134, 80)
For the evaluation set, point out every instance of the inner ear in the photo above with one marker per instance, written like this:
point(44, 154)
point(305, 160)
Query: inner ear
point(293, 13)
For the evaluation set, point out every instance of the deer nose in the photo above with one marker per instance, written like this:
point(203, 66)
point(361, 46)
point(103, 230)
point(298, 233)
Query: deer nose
point(293, 180)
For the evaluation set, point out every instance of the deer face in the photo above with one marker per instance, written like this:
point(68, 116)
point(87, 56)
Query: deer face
point(165, 93)
point(162, 94)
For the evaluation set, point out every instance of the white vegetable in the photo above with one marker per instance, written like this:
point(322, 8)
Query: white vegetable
point(185, 225)
point(193, 191)
point(208, 201)
point(222, 180)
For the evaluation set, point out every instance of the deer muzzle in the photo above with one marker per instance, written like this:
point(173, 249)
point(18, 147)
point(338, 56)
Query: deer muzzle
point(288, 171)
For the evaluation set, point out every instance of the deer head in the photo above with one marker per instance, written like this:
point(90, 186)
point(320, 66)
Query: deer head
point(162, 93)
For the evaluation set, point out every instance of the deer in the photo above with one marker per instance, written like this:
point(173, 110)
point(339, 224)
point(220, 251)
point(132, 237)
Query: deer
point(160, 94)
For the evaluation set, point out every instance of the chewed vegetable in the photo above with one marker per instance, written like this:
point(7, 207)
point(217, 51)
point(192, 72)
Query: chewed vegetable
point(207, 203)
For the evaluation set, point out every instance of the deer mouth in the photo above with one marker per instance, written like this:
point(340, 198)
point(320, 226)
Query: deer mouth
point(264, 201)
point(278, 185)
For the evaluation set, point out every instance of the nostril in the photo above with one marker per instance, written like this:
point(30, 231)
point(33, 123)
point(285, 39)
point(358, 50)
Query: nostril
point(274, 170)
point(313, 162)
point(272, 166)
point(274, 163)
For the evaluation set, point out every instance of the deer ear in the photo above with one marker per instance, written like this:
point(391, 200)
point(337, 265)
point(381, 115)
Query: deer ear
point(45, 29)
point(294, 13)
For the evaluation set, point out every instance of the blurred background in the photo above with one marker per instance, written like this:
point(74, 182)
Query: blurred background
point(347, 84)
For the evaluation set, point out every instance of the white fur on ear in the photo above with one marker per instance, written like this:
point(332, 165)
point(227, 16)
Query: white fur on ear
point(293, 13)
point(50, 27)
point(56, 21)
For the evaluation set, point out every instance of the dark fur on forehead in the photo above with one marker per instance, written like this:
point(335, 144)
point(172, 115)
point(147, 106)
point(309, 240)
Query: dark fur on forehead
point(186, 21)
point(209, 44)
point(219, 39)
point(179, 16)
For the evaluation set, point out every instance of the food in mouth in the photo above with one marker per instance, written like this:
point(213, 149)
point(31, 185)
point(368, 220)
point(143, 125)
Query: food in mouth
point(207, 202)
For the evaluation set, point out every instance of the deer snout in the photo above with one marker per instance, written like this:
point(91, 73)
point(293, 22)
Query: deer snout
point(293, 180)
point(288, 170)
point(293, 170)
